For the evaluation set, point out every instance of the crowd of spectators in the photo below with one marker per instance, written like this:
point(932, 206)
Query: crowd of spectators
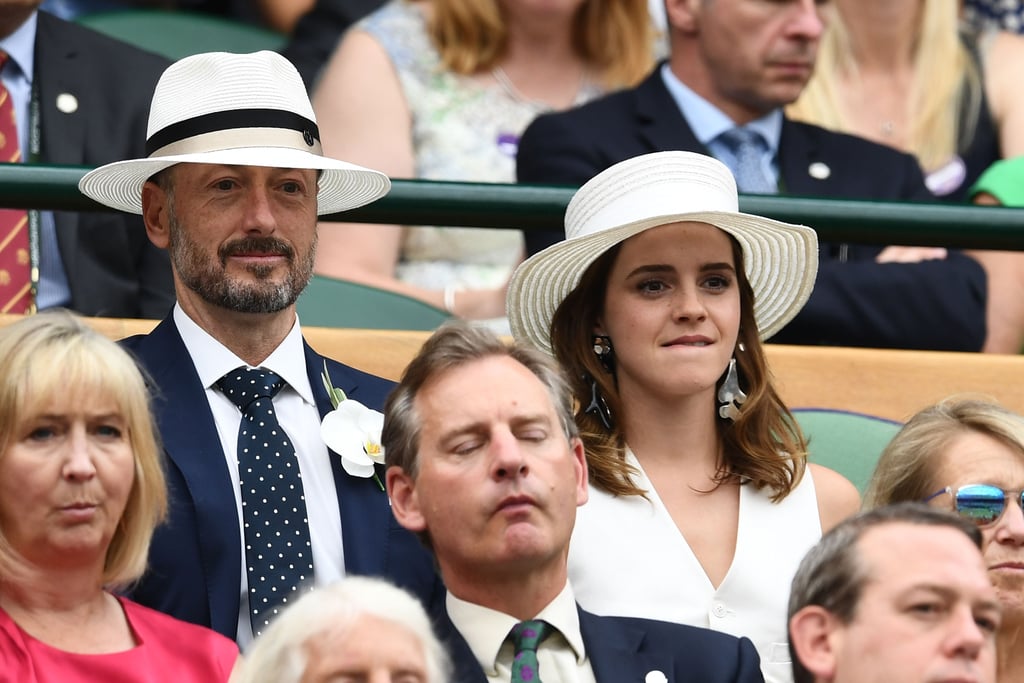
point(620, 493)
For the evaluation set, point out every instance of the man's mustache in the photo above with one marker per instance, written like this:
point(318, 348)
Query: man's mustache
point(270, 246)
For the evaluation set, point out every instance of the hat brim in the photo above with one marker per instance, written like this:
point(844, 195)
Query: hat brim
point(342, 186)
point(780, 261)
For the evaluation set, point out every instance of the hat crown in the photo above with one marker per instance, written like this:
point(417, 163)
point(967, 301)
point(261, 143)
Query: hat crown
point(213, 82)
point(648, 187)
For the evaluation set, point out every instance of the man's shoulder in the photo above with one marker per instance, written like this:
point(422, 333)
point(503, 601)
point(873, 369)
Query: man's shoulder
point(599, 110)
point(658, 632)
point(90, 46)
point(844, 143)
point(368, 389)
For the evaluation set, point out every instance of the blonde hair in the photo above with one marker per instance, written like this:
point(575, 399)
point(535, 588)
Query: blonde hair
point(614, 36)
point(280, 655)
point(906, 468)
point(56, 354)
point(944, 97)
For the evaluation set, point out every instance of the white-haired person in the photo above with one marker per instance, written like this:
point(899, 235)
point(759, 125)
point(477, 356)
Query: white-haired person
point(357, 629)
point(81, 490)
point(702, 502)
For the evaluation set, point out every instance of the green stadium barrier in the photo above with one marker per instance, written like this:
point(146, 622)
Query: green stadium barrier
point(539, 207)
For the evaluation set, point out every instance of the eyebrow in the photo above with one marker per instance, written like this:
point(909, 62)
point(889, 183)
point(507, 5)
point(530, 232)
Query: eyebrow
point(655, 268)
point(483, 426)
point(949, 593)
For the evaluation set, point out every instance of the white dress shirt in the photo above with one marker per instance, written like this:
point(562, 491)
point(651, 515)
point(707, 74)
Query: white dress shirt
point(561, 657)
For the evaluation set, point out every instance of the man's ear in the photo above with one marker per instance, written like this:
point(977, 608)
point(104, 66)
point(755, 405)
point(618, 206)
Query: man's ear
point(405, 505)
point(683, 15)
point(580, 467)
point(816, 638)
point(155, 214)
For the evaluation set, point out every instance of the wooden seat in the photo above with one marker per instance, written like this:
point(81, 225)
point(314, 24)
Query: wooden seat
point(848, 401)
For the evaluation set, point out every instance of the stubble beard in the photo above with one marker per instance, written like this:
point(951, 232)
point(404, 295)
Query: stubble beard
point(208, 277)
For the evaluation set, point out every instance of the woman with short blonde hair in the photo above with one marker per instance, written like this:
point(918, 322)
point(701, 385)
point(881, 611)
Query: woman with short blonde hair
point(81, 492)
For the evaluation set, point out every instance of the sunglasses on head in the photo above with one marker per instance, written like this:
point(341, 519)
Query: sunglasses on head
point(983, 504)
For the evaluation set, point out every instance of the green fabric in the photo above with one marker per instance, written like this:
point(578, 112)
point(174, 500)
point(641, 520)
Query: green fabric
point(330, 302)
point(1004, 180)
point(176, 33)
point(847, 442)
point(526, 638)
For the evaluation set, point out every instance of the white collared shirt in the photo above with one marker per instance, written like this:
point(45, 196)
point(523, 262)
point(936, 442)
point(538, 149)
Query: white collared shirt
point(708, 122)
point(298, 414)
point(562, 657)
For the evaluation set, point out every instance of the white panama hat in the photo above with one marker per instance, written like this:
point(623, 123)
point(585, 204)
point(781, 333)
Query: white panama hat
point(234, 109)
point(779, 259)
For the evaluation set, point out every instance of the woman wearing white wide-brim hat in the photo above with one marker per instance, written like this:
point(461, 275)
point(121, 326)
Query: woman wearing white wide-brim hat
point(701, 504)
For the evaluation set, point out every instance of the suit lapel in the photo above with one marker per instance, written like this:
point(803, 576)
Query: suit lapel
point(465, 667)
point(365, 510)
point(660, 123)
point(614, 650)
point(58, 71)
point(798, 151)
point(193, 446)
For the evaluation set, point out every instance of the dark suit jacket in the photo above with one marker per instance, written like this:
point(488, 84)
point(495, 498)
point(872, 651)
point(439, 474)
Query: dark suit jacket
point(112, 267)
point(623, 649)
point(856, 302)
point(194, 560)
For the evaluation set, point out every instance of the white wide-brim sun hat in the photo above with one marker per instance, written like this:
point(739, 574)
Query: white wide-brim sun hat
point(780, 259)
point(238, 110)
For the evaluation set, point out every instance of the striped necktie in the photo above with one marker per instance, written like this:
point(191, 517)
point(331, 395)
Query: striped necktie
point(15, 269)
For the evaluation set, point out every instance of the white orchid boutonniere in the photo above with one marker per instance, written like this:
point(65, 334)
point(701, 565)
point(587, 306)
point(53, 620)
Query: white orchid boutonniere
point(353, 431)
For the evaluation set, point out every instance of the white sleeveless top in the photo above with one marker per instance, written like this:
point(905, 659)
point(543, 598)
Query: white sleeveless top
point(628, 558)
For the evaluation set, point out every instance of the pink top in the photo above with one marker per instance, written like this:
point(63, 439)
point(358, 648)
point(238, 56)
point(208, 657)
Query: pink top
point(167, 650)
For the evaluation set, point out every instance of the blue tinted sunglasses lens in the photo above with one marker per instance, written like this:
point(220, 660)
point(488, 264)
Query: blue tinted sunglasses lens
point(980, 503)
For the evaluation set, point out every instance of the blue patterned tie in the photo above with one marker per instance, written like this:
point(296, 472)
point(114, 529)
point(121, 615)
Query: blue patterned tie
point(526, 638)
point(278, 555)
point(748, 148)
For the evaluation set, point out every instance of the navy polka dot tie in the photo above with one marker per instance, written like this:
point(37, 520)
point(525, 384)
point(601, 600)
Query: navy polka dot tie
point(278, 555)
point(526, 638)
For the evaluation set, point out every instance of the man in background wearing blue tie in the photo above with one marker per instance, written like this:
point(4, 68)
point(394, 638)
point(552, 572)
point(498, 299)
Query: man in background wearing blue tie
point(484, 462)
point(733, 66)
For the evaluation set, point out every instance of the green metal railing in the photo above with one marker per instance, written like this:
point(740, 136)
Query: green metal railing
point(535, 207)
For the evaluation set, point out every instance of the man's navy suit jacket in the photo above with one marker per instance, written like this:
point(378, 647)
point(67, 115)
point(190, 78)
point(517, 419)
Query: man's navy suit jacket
point(856, 302)
point(112, 267)
point(195, 557)
point(622, 649)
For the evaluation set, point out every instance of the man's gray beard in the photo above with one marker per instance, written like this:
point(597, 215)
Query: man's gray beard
point(214, 286)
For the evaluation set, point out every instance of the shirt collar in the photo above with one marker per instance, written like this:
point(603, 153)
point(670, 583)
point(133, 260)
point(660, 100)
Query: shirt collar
point(708, 121)
point(485, 629)
point(21, 46)
point(213, 360)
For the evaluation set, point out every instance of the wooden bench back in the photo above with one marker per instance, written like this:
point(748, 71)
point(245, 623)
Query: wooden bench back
point(886, 383)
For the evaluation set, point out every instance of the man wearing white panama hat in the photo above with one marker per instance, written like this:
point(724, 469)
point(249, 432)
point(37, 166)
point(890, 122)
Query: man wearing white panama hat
point(232, 186)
